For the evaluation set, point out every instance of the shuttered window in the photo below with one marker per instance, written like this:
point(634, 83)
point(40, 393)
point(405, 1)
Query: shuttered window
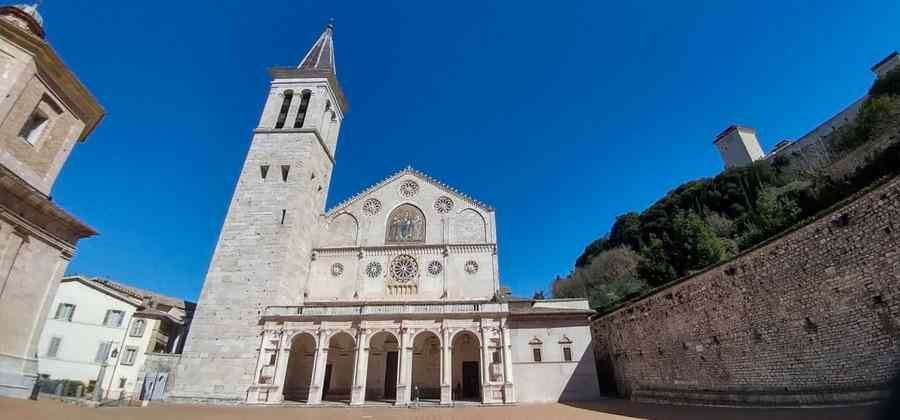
point(103, 352)
point(53, 349)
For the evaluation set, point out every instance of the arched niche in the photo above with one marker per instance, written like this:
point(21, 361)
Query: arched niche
point(342, 231)
point(469, 228)
point(406, 224)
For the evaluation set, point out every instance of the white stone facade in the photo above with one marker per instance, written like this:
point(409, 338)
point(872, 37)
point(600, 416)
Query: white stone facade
point(392, 295)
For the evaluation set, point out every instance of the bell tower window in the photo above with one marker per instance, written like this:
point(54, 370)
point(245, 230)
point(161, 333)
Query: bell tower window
point(285, 106)
point(34, 128)
point(301, 112)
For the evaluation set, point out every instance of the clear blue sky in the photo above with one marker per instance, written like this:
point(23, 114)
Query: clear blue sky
point(560, 115)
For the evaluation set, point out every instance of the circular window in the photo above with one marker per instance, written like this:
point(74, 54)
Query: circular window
point(409, 188)
point(435, 268)
point(373, 269)
point(443, 204)
point(471, 267)
point(404, 268)
point(372, 206)
point(337, 269)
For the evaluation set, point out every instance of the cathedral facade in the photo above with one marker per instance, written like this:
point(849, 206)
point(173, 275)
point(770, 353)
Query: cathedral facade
point(391, 296)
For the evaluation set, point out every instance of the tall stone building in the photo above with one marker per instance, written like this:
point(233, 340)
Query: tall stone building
point(392, 295)
point(44, 112)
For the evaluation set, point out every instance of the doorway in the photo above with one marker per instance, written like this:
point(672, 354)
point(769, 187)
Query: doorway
point(470, 381)
point(327, 384)
point(390, 376)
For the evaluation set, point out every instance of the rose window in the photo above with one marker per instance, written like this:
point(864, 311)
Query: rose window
point(337, 269)
point(372, 206)
point(435, 267)
point(409, 188)
point(404, 268)
point(373, 269)
point(471, 267)
point(443, 204)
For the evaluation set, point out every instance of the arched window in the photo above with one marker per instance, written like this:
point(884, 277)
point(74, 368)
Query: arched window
point(285, 106)
point(405, 224)
point(301, 112)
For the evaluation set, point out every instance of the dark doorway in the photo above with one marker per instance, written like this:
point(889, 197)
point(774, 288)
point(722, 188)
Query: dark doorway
point(470, 381)
point(327, 383)
point(390, 376)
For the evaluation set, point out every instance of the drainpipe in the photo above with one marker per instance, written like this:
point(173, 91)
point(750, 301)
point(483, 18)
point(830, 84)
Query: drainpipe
point(119, 357)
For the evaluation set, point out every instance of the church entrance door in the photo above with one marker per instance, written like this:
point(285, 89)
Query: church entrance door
point(470, 382)
point(390, 376)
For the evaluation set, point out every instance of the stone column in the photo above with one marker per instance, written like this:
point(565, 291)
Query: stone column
point(509, 392)
point(358, 391)
point(403, 384)
point(446, 371)
point(485, 367)
point(318, 382)
point(281, 363)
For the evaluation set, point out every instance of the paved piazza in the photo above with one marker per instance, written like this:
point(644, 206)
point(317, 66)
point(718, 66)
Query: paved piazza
point(608, 409)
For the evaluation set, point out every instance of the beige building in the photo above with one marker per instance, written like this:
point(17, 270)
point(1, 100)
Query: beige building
point(102, 327)
point(44, 112)
point(391, 296)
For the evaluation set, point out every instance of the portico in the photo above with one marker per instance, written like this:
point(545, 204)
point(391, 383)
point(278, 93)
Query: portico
point(385, 353)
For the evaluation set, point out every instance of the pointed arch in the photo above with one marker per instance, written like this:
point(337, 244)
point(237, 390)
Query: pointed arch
point(342, 231)
point(405, 224)
point(469, 227)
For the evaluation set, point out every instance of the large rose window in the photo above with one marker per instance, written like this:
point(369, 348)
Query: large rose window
point(404, 268)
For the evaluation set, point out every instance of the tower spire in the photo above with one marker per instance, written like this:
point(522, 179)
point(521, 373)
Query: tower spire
point(321, 56)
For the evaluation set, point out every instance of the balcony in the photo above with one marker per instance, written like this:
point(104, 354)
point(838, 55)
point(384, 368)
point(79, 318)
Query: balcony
point(386, 309)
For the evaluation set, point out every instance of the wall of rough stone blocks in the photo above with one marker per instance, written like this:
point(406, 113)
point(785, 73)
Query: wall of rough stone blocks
point(812, 317)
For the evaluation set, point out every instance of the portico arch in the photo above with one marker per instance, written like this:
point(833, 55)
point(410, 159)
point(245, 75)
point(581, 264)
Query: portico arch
point(466, 366)
point(382, 372)
point(426, 366)
point(300, 367)
point(338, 380)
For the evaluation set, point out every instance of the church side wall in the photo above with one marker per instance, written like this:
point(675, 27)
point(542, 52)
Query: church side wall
point(812, 317)
point(553, 378)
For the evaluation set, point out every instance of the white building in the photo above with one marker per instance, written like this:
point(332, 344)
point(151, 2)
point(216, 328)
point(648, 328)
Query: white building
point(392, 295)
point(97, 322)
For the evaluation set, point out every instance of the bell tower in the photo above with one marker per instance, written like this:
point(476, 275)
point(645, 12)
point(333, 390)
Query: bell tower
point(263, 253)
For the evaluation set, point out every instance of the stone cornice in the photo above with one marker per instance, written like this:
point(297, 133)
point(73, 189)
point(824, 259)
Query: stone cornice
point(407, 249)
point(57, 75)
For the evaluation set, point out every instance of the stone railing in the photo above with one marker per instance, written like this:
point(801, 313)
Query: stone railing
point(387, 309)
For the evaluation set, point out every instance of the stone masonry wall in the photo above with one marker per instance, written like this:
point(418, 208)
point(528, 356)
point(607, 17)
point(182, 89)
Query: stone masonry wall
point(812, 317)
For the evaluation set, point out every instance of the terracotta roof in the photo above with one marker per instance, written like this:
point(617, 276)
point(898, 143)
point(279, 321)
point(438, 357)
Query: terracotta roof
point(141, 297)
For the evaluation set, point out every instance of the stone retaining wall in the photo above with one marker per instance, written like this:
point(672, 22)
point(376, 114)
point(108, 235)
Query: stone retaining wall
point(809, 318)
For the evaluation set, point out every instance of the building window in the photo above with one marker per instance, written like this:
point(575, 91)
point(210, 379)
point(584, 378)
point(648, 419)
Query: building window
point(34, 128)
point(53, 350)
point(536, 346)
point(122, 382)
point(113, 318)
point(536, 354)
point(285, 107)
point(301, 112)
point(566, 345)
point(129, 356)
point(272, 358)
point(137, 327)
point(103, 352)
point(495, 356)
point(65, 311)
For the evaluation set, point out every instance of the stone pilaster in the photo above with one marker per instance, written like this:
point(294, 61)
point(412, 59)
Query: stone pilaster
point(361, 362)
point(509, 391)
point(315, 389)
point(446, 372)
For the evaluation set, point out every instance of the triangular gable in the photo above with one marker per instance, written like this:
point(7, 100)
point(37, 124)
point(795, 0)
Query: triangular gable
point(406, 171)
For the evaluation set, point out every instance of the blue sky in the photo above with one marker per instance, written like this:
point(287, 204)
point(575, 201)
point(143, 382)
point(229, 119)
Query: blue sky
point(560, 115)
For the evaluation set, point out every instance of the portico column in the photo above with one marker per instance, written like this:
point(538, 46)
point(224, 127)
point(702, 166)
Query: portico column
point(403, 386)
point(358, 391)
point(318, 382)
point(485, 369)
point(446, 372)
point(509, 392)
point(283, 354)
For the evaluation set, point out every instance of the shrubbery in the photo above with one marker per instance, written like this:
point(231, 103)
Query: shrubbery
point(706, 221)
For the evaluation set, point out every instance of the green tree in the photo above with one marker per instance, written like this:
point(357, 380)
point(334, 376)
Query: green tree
point(694, 245)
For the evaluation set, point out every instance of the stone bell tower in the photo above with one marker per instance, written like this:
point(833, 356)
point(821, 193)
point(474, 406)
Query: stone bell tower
point(263, 253)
